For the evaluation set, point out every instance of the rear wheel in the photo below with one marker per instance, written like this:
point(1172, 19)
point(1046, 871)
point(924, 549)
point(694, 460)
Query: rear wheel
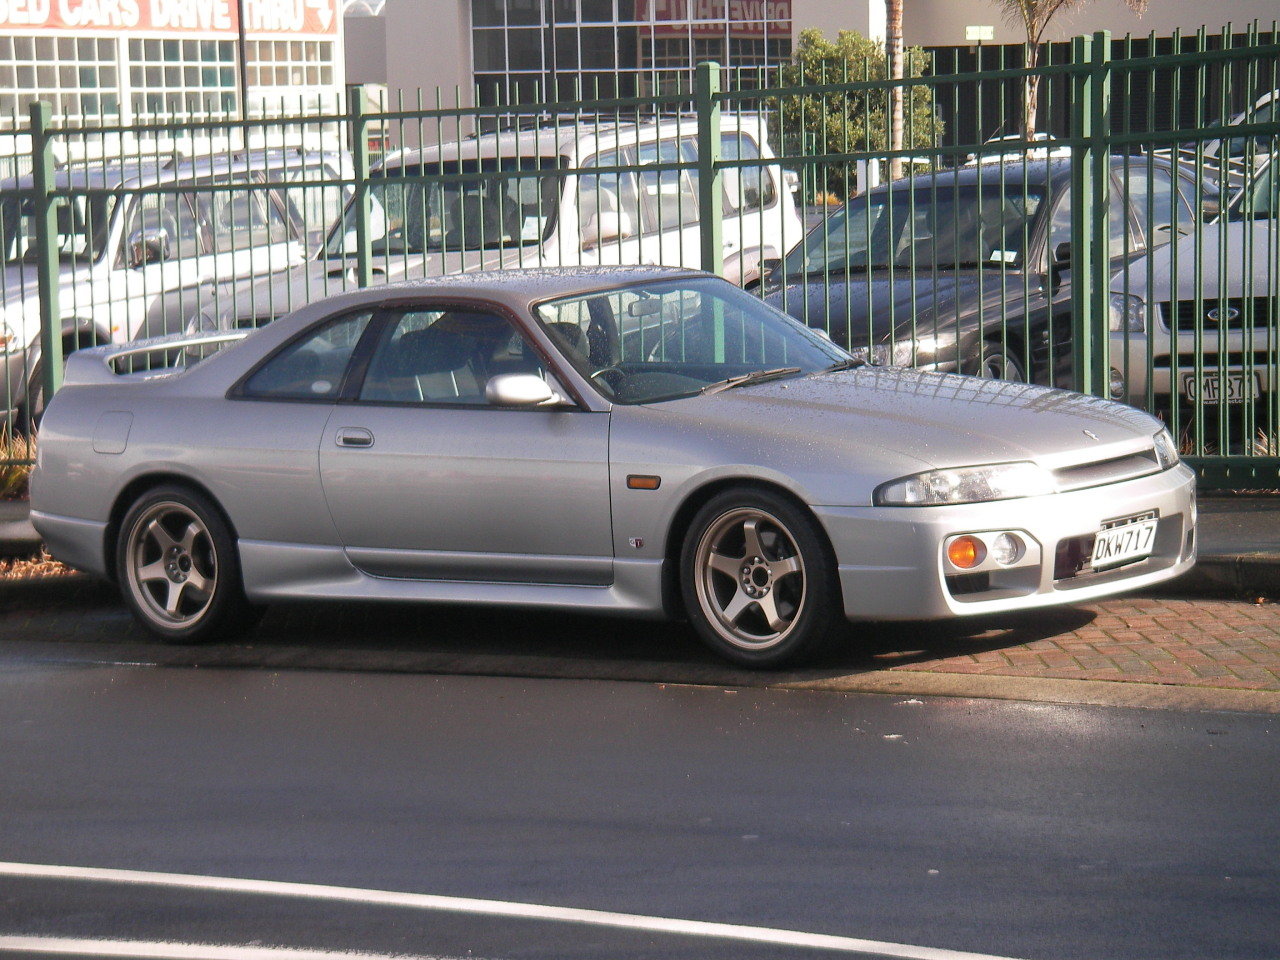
point(757, 580)
point(179, 569)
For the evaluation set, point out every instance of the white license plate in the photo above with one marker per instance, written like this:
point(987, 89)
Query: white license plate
point(1211, 387)
point(1123, 541)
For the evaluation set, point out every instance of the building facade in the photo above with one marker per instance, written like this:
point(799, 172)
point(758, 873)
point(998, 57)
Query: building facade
point(119, 61)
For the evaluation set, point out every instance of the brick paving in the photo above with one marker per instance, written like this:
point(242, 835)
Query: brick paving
point(1207, 643)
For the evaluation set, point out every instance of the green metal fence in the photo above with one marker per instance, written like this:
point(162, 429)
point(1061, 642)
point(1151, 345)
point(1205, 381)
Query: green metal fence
point(1112, 247)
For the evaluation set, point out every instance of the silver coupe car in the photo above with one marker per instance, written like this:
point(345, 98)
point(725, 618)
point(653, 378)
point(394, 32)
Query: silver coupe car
point(643, 441)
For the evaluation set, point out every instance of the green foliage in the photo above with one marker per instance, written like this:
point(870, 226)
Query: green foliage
point(847, 120)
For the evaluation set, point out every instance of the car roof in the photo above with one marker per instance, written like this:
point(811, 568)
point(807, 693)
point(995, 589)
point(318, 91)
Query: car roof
point(1052, 171)
point(160, 168)
point(571, 137)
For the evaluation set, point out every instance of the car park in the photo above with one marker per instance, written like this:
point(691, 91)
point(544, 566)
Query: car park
point(642, 441)
point(563, 192)
point(144, 243)
point(969, 270)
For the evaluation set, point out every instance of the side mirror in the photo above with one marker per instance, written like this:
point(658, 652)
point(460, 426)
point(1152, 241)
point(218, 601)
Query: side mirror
point(605, 226)
point(520, 390)
point(148, 246)
point(1062, 254)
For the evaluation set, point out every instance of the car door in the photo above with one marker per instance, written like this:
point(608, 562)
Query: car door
point(163, 268)
point(427, 480)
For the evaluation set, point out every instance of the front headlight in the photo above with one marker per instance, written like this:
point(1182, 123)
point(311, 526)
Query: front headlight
point(1166, 449)
point(901, 353)
point(1127, 314)
point(997, 481)
point(10, 342)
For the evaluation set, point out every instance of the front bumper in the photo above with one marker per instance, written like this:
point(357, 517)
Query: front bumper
point(892, 565)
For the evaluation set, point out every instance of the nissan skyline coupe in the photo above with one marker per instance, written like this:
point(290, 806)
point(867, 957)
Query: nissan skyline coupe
point(643, 441)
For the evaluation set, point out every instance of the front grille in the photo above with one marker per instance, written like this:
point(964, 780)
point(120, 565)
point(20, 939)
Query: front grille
point(1235, 313)
point(1081, 475)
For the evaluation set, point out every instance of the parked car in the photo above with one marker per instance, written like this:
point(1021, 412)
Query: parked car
point(550, 196)
point(969, 270)
point(1219, 288)
point(135, 261)
point(644, 441)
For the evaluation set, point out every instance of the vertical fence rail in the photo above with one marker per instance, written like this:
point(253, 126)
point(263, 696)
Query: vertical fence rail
point(955, 266)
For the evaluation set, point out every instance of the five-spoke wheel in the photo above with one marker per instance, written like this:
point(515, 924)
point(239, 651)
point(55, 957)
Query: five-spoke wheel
point(757, 581)
point(178, 568)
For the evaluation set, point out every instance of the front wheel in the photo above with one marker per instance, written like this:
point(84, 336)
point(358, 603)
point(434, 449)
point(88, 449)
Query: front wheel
point(1000, 363)
point(179, 570)
point(757, 580)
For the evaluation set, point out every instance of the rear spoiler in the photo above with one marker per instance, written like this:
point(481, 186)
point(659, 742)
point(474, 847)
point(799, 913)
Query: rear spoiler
point(145, 359)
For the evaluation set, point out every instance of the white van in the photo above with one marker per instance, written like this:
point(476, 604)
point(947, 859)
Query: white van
point(557, 195)
point(143, 244)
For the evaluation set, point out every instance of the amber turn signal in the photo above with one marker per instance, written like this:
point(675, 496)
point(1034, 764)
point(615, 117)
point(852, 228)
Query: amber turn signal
point(966, 552)
point(638, 482)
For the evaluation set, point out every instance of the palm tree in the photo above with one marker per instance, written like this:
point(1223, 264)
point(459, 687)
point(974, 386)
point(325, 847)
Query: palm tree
point(893, 51)
point(1035, 15)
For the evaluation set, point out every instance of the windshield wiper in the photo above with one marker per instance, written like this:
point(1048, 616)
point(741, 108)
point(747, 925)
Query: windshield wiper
point(851, 363)
point(755, 376)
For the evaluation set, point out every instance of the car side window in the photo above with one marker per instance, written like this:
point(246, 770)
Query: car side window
point(244, 219)
point(1160, 208)
point(600, 193)
point(444, 356)
point(312, 367)
point(161, 226)
point(669, 195)
point(1117, 226)
point(745, 188)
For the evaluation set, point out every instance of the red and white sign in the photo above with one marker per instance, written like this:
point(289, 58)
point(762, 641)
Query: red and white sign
point(706, 18)
point(262, 17)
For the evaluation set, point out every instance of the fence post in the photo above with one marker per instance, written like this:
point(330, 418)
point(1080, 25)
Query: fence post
point(360, 163)
point(710, 189)
point(1090, 212)
point(45, 224)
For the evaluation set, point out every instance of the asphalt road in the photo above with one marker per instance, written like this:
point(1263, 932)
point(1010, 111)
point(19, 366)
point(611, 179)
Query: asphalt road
point(1015, 830)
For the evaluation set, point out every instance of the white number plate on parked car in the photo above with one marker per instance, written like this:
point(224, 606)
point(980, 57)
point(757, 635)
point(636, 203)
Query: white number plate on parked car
point(1211, 387)
point(1121, 541)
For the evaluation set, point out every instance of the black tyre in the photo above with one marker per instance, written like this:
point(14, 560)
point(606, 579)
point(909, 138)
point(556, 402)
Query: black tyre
point(179, 570)
point(758, 581)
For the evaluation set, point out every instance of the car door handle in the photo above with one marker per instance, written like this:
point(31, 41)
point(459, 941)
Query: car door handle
point(355, 437)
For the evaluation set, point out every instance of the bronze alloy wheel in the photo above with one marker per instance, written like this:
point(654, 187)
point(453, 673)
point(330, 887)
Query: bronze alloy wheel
point(178, 567)
point(751, 578)
point(759, 579)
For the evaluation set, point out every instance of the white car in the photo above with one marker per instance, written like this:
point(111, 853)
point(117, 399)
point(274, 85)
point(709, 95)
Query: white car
point(144, 243)
point(560, 194)
point(1218, 287)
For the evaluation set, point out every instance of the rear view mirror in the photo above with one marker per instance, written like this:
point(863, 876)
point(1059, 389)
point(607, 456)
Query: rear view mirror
point(1062, 254)
point(520, 390)
point(148, 246)
point(605, 226)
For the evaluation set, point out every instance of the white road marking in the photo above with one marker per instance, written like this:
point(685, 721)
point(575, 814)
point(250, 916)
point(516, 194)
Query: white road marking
point(166, 950)
point(495, 908)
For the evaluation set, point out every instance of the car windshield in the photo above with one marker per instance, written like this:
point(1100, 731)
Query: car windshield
point(930, 226)
point(676, 338)
point(83, 225)
point(456, 205)
point(1261, 198)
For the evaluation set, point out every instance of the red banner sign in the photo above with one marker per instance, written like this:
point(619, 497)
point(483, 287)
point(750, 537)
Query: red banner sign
point(261, 17)
point(713, 18)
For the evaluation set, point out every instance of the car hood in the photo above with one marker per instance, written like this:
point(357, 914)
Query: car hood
point(856, 310)
point(1229, 251)
point(903, 417)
